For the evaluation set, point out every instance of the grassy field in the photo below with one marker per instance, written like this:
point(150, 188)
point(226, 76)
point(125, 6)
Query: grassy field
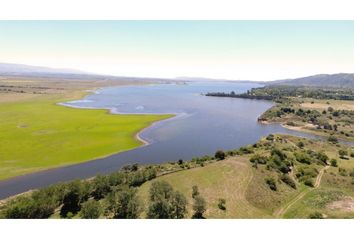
point(228, 179)
point(322, 104)
point(37, 134)
point(248, 196)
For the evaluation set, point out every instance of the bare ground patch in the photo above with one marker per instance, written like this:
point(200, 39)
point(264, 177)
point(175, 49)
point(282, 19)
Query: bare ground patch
point(345, 204)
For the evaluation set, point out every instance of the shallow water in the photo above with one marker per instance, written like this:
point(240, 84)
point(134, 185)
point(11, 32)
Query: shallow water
point(202, 125)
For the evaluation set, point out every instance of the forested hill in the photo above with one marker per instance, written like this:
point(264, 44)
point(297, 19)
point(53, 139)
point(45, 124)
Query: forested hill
point(340, 80)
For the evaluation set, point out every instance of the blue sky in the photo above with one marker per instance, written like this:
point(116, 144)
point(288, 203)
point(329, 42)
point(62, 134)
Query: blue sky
point(247, 50)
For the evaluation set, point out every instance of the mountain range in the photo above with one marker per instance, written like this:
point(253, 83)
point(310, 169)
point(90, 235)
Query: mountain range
point(339, 80)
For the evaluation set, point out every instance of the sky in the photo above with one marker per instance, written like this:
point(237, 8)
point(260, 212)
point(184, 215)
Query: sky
point(235, 50)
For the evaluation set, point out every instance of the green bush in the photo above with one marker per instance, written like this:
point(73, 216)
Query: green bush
point(165, 202)
point(303, 157)
point(221, 204)
point(124, 203)
point(316, 215)
point(309, 182)
point(220, 155)
point(199, 207)
point(287, 180)
point(101, 187)
point(342, 153)
point(28, 208)
point(75, 193)
point(332, 139)
point(258, 159)
point(91, 209)
point(271, 183)
point(334, 162)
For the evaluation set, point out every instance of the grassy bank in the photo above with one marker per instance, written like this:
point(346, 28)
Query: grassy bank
point(38, 134)
point(242, 183)
point(280, 176)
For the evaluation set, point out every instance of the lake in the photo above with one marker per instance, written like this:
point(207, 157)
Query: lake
point(202, 126)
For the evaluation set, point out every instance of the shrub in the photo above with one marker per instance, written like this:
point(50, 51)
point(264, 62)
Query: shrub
point(332, 139)
point(75, 193)
point(220, 155)
point(351, 173)
point(342, 171)
point(316, 215)
point(342, 153)
point(271, 183)
point(165, 202)
point(199, 207)
point(270, 137)
point(221, 204)
point(26, 208)
point(287, 180)
point(300, 144)
point(101, 187)
point(91, 209)
point(124, 203)
point(279, 153)
point(334, 162)
point(290, 124)
point(195, 191)
point(322, 157)
point(309, 182)
point(302, 157)
point(258, 159)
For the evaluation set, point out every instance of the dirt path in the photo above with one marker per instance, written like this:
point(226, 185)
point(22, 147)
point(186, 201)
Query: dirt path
point(280, 212)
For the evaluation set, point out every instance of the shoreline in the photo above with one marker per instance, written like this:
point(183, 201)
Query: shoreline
point(301, 129)
point(114, 111)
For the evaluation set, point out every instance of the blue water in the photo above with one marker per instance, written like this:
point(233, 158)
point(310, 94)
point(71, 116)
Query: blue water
point(202, 125)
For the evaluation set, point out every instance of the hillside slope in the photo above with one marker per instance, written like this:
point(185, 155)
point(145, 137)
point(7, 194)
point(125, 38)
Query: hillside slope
point(340, 80)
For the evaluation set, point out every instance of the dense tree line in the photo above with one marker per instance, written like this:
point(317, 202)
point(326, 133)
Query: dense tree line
point(117, 191)
point(280, 92)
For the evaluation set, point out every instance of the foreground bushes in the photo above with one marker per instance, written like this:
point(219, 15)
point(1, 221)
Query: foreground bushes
point(82, 196)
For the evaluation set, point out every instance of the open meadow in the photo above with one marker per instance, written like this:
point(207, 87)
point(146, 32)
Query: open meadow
point(38, 134)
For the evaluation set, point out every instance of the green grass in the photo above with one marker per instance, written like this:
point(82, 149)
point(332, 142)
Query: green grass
point(37, 134)
point(228, 179)
point(248, 196)
point(318, 201)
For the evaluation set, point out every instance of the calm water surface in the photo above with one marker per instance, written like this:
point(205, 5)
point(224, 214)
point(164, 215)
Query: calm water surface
point(202, 125)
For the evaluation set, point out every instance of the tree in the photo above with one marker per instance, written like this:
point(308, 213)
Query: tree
point(334, 162)
point(300, 144)
point(165, 202)
point(220, 155)
point(271, 183)
point(125, 203)
point(75, 192)
point(91, 209)
point(342, 153)
point(101, 187)
point(332, 139)
point(221, 204)
point(199, 207)
point(195, 191)
point(322, 157)
point(287, 180)
point(28, 208)
point(178, 205)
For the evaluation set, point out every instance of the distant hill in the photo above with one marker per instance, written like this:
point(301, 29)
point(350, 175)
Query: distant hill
point(22, 69)
point(216, 79)
point(340, 80)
